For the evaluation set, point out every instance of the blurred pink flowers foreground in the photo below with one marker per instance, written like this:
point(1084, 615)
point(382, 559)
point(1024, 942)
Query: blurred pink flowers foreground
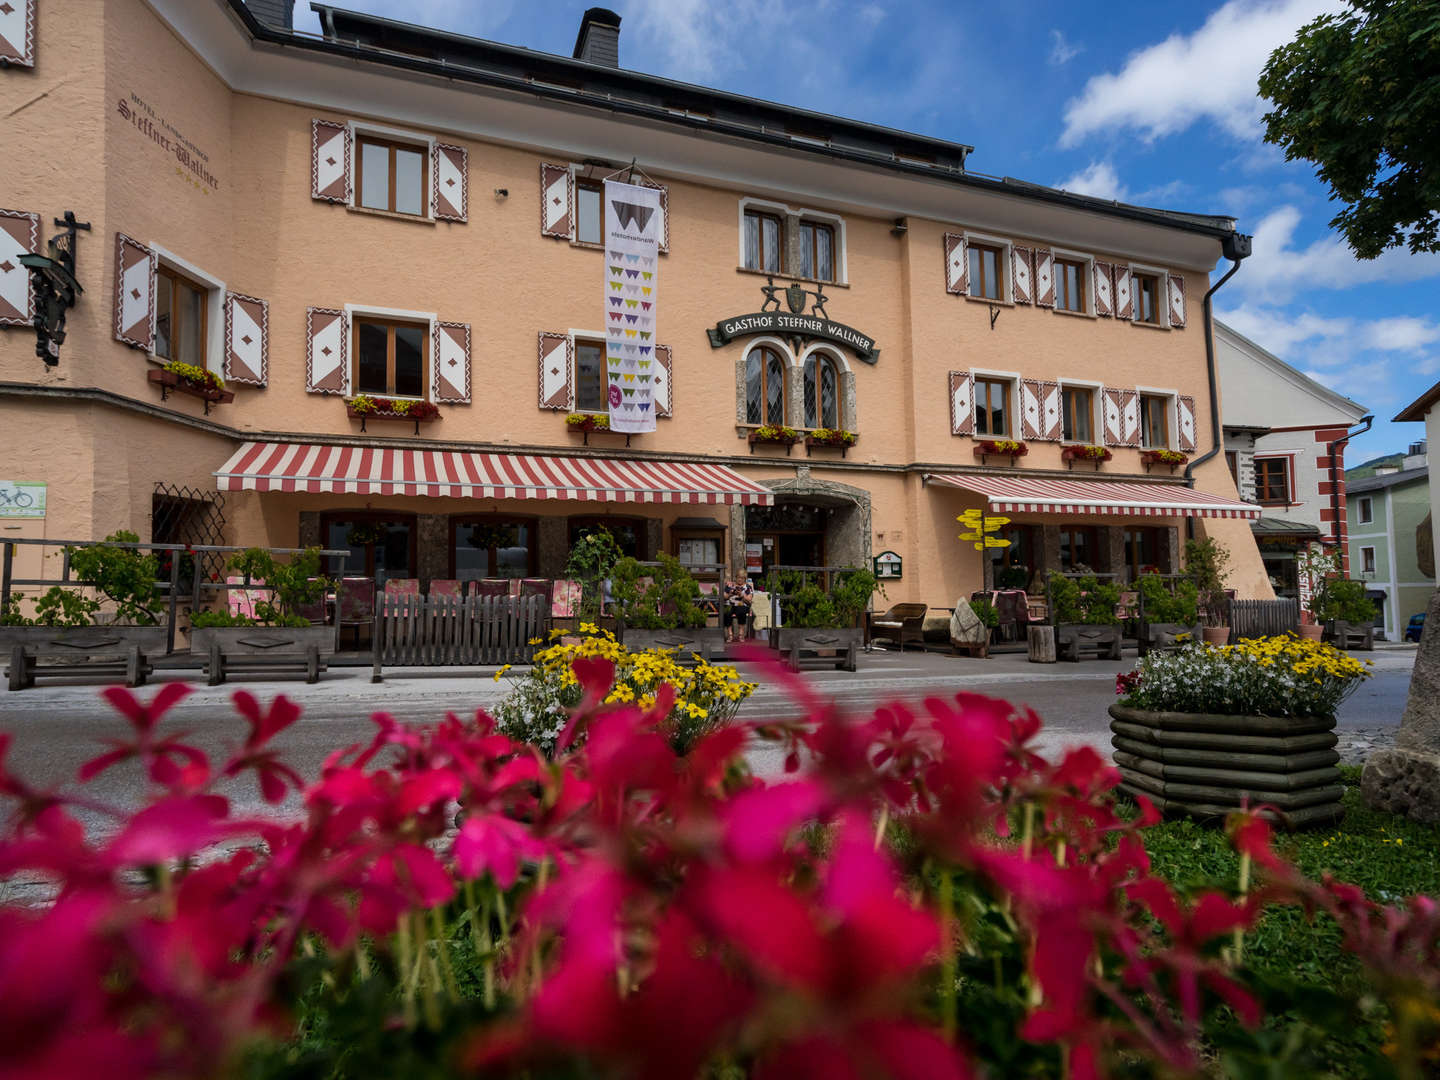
point(643, 913)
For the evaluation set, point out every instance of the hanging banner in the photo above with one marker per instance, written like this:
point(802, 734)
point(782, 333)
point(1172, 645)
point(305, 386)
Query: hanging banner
point(633, 227)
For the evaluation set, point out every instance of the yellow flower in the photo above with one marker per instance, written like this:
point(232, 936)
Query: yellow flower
point(501, 672)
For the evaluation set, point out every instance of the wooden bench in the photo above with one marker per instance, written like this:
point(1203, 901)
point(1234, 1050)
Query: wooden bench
point(837, 647)
point(1073, 639)
point(107, 652)
point(263, 650)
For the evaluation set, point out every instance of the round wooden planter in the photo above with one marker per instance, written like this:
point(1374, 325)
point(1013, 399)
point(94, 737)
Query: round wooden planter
point(1208, 766)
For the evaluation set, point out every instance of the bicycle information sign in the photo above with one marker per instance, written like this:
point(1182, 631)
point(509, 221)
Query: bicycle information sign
point(22, 499)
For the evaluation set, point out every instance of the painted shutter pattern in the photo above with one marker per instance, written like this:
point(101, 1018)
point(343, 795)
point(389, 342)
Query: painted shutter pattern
point(134, 293)
point(1124, 302)
point(19, 235)
point(1176, 292)
point(327, 346)
point(1185, 422)
point(329, 161)
point(556, 362)
point(451, 349)
point(1121, 414)
point(1039, 410)
point(957, 266)
point(1022, 274)
point(662, 386)
point(17, 32)
point(664, 211)
point(450, 172)
point(247, 340)
point(556, 199)
point(1044, 277)
point(1104, 289)
point(962, 403)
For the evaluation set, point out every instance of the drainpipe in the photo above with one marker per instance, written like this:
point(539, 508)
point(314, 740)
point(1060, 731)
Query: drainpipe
point(1236, 248)
point(1335, 478)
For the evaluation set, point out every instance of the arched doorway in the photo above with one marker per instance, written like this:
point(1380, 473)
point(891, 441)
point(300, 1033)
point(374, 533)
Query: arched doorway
point(813, 523)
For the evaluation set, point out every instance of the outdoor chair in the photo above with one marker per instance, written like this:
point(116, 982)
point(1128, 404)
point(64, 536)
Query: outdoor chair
point(447, 587)
point(1013, 606)
point(902, 623)
point(317, 613)
point(402, 587)
point(760, 613)
point(492, 587)
point(709, 601)
point(354, 604)
point(565, 600)
point(242, 600)
point(537, 587)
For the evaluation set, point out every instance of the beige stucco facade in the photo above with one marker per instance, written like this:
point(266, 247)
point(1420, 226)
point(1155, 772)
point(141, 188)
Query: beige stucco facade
point(113, 79)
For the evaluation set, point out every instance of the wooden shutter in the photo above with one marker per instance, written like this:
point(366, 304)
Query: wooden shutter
point(957, 265)
point(327, 349)
point(1104, 289)
point(450, 173)
point(247, 340)
point(134, 293)
point(329, 161)
point(17, 33)
point(665, 213)
point(1176, 292)
point(662, 386)
point(1039, 410)
point(1044, 278)
point(1120, 411)
point(451, 351)
point(1022, 274)
point(962, 403)
point(19, 235)
point(556, 363)
point(1185, 422)
point(557, 197)
point(1050, 411)
point(1124, 302)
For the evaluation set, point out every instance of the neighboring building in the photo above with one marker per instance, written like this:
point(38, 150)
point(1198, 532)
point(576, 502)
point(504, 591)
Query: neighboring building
point(394, 212)
point(1390, 540)
point(1284, 442)
point(1426, 408)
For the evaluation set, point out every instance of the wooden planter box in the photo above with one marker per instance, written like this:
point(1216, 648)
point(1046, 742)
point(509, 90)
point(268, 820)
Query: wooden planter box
point(1208, 766)
point(1163, 637)
point(1349, 635)
point(1150, 460)
point(801, 644)
point(586, 429)
point(985, 452)
point(384, 414)
point(107, 651)
point(707, 641)
point(168, 381)
point(786, 443)
point(232, 650)
point(1071, 639)
point(812, 443)
point(1072, 454)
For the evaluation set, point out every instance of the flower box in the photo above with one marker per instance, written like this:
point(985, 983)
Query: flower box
point(211, 393)
point(108, 652)
point(773, 436)
point(1171, 459)
point(584, 423)
point(1011, 448)
point(831, 437)
point(1093, 454)
point(229, 650)
point(364, 407)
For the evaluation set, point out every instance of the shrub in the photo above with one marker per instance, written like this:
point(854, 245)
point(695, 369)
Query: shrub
point(666, 601)
point(591, 559)
point(1084, 600)
point(1013, 577)
point(1275, 676)
point(1206, 566)
point(1175, 603)
point(986, 612)
point(1344, 600)
point(291, 585)
point(806, 606)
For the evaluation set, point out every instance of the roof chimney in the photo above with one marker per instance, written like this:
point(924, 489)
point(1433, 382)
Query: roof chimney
point(599, 39)
point(277, 13)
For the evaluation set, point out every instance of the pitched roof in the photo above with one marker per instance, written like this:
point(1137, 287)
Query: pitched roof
point(1417, 409)
point(1292, 374)
point(1388, 480)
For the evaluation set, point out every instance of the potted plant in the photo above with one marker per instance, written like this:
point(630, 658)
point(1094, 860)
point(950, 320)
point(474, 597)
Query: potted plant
point(1347, 613)
point(1314, 567)
point(830, 437)
point(1169, 613)
point(1170, 458)
point(364, 407)
point(1206, 567)
point(276, 634)
point(774, 435)
point(989, 616)
point(1084, 615)
point(117, 616)
point(1207, 731)
point(657, 607)
point(1011, 448)
point(816, 621)
point(1085, 452)
point(190, 379)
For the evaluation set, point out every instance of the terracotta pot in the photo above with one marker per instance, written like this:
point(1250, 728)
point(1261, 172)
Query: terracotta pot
point(1312, 631)
point(1217, 635)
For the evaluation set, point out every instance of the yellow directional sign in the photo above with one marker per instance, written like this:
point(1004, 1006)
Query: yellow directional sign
point(980, 526)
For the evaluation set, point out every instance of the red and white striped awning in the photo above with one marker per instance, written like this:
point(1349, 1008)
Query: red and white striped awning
point(363, 470)
point(1110, 498)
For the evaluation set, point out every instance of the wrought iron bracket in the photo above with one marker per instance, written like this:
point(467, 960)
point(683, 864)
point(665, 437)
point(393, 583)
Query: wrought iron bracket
point(52, 277)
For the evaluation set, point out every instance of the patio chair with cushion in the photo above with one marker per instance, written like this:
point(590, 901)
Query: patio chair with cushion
point(354, 604)
point(317, 613)
point(565, 600)
point(902, 623)
point(447, 587)
point(492, 587)
point(537, 587)
point(402, 586)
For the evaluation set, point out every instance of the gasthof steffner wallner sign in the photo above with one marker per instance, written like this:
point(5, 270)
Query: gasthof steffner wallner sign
point(815, 324)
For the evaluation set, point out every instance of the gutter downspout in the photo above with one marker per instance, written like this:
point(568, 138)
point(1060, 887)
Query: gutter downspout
point(1335, 479)
point(1236, 248)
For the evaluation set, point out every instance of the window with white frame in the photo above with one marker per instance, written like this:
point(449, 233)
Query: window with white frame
point(1367, 560)
point(1366, 510)
point(1155, 421)
point(987, 269)
point(590, 382)
point(1077, 414)
point(1148, 293)
point(993, 397)
point(189, 313)
point(1072, 283)
point(802, 243)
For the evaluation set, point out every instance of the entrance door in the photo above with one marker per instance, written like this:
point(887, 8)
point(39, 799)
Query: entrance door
point(786, 549)
point(382, 546)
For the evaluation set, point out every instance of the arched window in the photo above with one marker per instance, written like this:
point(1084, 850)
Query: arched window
point(764, 387)
point(822, 392)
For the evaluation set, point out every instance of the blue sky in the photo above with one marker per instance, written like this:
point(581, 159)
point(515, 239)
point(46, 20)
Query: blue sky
point(1150, 103)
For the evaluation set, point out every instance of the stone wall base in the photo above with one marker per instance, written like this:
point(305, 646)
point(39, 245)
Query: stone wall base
point(1403, 782)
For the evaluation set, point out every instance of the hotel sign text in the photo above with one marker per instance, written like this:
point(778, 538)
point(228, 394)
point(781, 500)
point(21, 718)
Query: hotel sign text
point(782, 322)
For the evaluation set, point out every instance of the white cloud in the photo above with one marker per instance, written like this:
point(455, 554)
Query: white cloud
point(1338, 343)
point(696, 36)
point(1061, 51)
point(1099, 179)
point(1403, 333)
point(1283, 333)
point(871, 14)
point(1210, 74)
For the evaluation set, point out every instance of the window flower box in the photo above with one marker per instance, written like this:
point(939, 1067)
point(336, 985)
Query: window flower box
point(583, 423)
point(192, 380)
point(773, 435)
point(363, 407)
point(835, 437)
point(1171, 459)
point(1011, 448)
point(1081, 452)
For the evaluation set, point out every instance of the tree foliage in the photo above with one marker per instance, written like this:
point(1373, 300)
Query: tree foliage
point(1358, 94)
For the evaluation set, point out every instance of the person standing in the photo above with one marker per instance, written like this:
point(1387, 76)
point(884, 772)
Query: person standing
point(739, 598)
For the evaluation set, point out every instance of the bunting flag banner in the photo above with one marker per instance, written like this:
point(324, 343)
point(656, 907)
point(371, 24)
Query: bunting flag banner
point(634, 227)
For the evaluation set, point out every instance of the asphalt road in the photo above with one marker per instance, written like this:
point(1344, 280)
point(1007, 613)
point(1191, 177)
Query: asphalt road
point(55, 727)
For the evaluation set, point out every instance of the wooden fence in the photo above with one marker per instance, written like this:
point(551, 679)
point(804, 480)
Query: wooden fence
point(426, 631)
point(1263, 618)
